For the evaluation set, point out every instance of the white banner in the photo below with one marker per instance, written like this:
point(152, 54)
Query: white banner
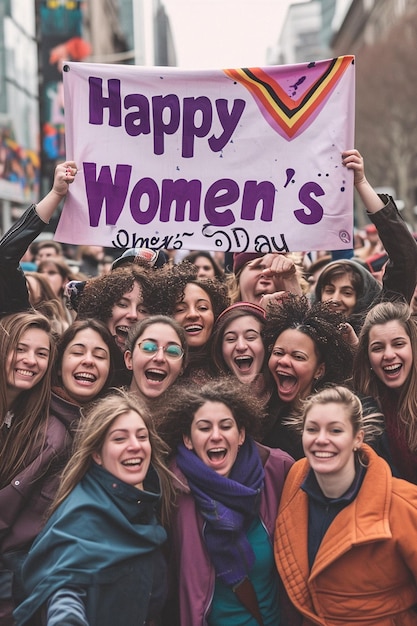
point(245, 159)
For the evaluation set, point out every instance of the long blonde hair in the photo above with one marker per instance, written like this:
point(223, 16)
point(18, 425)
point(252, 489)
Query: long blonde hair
point(23, 439)
point(90, 438)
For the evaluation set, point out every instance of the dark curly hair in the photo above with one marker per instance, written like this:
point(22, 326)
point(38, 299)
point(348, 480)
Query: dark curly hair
point(170, 283)
point(181, 404)
point(217, 292)
point(100, 294)
point(319, 322)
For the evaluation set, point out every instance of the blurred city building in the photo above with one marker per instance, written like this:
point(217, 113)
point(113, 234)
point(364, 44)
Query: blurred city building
point(318, 29)
point(382, 34)
point(366, 22)
point(135, 32)
point(306, 33)
point(36, 38)
point(19, 114)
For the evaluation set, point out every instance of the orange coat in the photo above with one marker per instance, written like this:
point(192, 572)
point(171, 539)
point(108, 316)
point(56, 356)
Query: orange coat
point(365, 570)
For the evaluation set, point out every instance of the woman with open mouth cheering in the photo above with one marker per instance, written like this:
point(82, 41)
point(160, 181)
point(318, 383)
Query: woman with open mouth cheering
point(238, 347)
point(307, 349)
point(157, 355)
point(228, 490)
point(195, 304)
point(385, 369)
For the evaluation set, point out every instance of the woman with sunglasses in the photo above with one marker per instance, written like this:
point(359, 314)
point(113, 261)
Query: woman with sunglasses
point(156, 354)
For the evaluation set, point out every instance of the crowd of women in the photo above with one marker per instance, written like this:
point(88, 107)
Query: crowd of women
point(182, 446)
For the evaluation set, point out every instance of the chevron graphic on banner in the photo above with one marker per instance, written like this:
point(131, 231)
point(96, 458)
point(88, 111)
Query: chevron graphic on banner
point(289, 99)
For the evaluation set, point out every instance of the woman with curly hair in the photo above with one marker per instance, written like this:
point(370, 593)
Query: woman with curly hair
point(118, 299)
point(228, 490)
point(385, 368)
point(195, 304)
point(307, 349)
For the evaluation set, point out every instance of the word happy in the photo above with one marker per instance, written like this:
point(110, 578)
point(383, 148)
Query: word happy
point(222, 204)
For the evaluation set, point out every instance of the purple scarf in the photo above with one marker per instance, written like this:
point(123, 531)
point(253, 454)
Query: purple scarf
point(228, 505)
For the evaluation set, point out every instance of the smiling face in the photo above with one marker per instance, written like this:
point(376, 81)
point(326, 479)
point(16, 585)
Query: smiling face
point(294, 364)
point(125, 313)
point(85, 366)
point(215, 437)
point(195, 314)
point(27, 364)
point(242, 347)
point(329, 442)
point(341, 293)
point(154, 373)
point(126, 452)
point(390, 353)
point(252, 284)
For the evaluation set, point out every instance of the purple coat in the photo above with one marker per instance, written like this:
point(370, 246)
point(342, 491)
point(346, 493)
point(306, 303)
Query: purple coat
point(25, 501)
point(191, 565)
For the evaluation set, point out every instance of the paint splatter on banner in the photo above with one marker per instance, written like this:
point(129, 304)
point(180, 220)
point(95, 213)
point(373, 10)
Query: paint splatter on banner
point(234, 160)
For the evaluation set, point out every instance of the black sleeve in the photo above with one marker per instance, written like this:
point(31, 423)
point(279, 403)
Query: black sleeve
point(400, 275)
point(13, 291)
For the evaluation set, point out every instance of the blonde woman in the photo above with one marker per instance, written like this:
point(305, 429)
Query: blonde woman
point(345, 532)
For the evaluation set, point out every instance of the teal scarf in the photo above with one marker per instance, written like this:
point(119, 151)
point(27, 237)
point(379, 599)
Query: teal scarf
point(102, 523)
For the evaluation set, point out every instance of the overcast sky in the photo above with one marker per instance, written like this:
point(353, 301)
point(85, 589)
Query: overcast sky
point(224, 33)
